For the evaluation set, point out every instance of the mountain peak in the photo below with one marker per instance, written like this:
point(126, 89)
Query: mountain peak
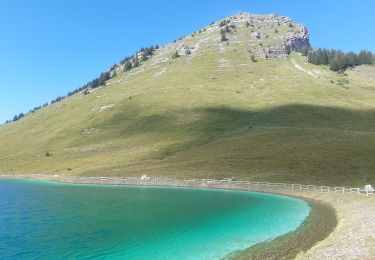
point(277, 36)
point(262, 36)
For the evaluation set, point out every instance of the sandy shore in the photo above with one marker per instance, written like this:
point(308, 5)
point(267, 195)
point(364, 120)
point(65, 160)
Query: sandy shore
point(352, 238)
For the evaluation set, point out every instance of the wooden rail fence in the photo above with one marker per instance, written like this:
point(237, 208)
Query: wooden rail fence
point(201, 183)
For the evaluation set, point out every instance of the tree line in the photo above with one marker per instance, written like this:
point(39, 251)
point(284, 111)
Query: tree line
point(339, 60)
point(227, 29)
point(127, 64)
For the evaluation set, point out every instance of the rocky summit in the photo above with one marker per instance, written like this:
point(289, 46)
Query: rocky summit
point(264, 36)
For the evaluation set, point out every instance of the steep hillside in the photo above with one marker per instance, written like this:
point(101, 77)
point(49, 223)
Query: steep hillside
point(215, 111)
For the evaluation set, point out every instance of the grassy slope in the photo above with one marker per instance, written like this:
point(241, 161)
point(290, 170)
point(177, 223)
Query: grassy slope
point(215, 114)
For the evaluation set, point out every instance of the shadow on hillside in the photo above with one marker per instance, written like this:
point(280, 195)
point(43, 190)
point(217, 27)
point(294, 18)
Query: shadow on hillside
point(207, 123)
point(341, 154)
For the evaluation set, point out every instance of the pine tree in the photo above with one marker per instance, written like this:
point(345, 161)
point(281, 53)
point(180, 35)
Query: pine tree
point(223, 38)
point(18, 117)
point(305, 50)
point(227, 29)
point(144, 57)
point(365, 57)
point(127, 66)
point(103, 78)
point(253, 58)
point(223, 23)
point(352, 59)
point(86, 91)
point(135, 61)
point(175, 55)
point(322, 56)
point(338, 62)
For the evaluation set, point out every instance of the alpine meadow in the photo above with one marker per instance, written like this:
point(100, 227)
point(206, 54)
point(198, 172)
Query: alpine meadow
point(236, 98)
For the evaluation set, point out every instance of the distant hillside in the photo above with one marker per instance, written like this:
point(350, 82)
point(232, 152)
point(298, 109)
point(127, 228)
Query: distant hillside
point(232, 99)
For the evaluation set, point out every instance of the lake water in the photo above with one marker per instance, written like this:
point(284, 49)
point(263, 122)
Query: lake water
point(47, 220)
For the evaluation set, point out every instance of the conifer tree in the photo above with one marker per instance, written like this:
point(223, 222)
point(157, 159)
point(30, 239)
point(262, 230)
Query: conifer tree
point(127, 66)
point(175, 55)
point(223, 36)
point(227, 29)
point(253, 58)
point(338, 62)
point(135, 61)
point(305, 51)
point(352, 59)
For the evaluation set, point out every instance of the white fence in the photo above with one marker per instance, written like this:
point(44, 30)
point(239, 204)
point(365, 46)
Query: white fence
point(202, 183)
point(213, 182)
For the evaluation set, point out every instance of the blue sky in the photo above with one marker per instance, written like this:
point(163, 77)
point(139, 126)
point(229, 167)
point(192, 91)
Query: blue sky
point(49, 47)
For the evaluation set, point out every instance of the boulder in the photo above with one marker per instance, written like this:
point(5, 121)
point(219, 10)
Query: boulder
point(145, 177)
point(369, 188)
point(255, 35)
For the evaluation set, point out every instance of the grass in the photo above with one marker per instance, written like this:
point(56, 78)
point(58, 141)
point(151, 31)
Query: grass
point(212, 114)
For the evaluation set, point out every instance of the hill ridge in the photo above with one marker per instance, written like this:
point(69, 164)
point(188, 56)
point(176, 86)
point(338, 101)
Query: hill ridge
point(282, 42)
point(182, 115)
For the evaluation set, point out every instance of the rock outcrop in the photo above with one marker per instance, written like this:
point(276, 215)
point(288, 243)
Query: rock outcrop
point(263, 36)
point(297, 40)
point(277, 36)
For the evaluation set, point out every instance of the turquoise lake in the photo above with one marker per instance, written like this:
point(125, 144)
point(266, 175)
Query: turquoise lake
point(47, 220)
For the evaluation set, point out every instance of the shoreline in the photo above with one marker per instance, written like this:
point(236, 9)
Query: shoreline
point(338, 226)
point(289, 245)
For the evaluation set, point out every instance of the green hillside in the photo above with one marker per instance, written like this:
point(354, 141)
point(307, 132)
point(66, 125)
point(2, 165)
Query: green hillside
point(213, 113)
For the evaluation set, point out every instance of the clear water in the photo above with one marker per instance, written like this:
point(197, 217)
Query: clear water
point(46, 220)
